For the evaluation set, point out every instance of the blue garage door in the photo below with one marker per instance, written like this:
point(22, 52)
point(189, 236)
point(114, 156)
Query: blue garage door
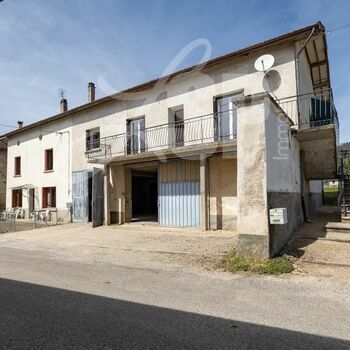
point(179, 204)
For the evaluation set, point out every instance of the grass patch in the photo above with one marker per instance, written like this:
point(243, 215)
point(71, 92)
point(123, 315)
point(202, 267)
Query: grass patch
point(275, 266)
point(330, 195)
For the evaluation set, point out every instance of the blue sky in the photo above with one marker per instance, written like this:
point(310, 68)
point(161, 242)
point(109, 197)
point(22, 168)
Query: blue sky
point(48, 45)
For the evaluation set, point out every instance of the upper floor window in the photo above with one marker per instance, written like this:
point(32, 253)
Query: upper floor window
point(136, 135)
point(49, 159)
point(226, 116)
point(176, 123)
point(17, 169)
point(49, 197)
point(92, 139)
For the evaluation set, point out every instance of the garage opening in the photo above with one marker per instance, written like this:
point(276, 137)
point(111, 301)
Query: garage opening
point(145, 195)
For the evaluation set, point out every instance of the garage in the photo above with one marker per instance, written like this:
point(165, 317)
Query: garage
point(179, 193)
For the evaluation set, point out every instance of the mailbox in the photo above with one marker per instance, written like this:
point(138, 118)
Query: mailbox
point(278, 216)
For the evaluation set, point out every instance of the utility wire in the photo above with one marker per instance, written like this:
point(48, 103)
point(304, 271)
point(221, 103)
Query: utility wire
point(8, 126)
point(344, 26)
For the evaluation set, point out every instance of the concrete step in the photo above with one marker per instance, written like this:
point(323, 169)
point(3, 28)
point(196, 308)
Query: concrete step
point(338, 231)
point(345, 219)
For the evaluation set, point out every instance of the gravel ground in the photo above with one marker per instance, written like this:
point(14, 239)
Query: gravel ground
point(314, 254)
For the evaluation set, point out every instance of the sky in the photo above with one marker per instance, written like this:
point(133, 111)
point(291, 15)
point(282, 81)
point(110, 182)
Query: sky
point(47, 45)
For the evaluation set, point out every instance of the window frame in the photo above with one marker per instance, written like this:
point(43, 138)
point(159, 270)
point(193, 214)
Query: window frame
point(17, 198)
point(17, 169)
point(92, 144)
point(45, 203)
point(232, 115)
point(48, 152)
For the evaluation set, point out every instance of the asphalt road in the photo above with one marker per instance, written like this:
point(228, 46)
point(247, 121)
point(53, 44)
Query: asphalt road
point(50, 303)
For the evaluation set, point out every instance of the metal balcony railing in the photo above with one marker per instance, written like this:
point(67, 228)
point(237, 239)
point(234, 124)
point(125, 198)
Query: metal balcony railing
point(311, 110)
point(217, 127)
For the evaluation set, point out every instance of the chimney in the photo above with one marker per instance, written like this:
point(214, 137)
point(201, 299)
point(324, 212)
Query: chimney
point(64, 105)
point(91, 92)
point(20, 124)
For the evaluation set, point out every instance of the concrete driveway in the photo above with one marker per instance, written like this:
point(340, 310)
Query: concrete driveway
point(135, 245)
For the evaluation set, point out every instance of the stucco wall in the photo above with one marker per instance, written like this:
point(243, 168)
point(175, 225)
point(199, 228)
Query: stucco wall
point(283, 175)
point(195, 92)
point(268, 177)
point(305, 79)
point(313, 196)
point(252, 220)
point(223, 203)
point(31, 146)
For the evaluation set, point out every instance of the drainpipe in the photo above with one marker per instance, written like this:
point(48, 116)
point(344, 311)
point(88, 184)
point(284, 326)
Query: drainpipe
point(68, 156)
point(303, 206)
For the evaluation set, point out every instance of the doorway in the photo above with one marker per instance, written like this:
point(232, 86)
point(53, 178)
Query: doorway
point(145, 195)
point(87, 197)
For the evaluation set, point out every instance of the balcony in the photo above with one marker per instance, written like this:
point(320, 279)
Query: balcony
point(209, 130)
point(317, 130)
point(312, 110)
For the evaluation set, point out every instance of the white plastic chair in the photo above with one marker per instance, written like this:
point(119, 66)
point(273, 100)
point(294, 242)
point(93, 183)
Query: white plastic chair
point(19, 213)
point(45, 215)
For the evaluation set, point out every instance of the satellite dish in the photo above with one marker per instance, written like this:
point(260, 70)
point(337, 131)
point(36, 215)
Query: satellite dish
point(264, 63)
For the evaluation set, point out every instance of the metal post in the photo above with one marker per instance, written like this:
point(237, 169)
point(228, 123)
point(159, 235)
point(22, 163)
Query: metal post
point(202, 128)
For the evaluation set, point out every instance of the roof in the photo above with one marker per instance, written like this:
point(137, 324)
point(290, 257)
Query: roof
point(3, 145)
point(216, 61)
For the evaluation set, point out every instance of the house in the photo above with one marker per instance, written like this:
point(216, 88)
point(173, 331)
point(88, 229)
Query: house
point(213, 146)
point(3, 174)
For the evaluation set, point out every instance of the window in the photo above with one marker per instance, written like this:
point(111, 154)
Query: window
point(92, 139)
point(17, 166)
point(136, 135)
point(49, 197)
point(16, 198)
point(176, 126)
point(49, 160)
point(226, 113)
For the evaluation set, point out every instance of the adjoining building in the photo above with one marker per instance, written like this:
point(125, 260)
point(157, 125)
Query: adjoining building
point(3, 173)
point(213, 146)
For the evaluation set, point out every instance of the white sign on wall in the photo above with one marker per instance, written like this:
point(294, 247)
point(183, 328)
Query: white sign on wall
point(278, 216)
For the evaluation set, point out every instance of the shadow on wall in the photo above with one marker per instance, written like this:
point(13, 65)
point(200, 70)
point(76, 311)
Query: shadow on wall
point(38, 317)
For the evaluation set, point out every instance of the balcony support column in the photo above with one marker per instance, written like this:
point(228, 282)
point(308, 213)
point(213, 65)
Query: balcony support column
point(252, 218)
point(107, 186)
point(203, 173)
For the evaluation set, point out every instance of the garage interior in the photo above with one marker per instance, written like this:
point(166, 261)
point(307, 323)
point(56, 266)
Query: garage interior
point(144, 189)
